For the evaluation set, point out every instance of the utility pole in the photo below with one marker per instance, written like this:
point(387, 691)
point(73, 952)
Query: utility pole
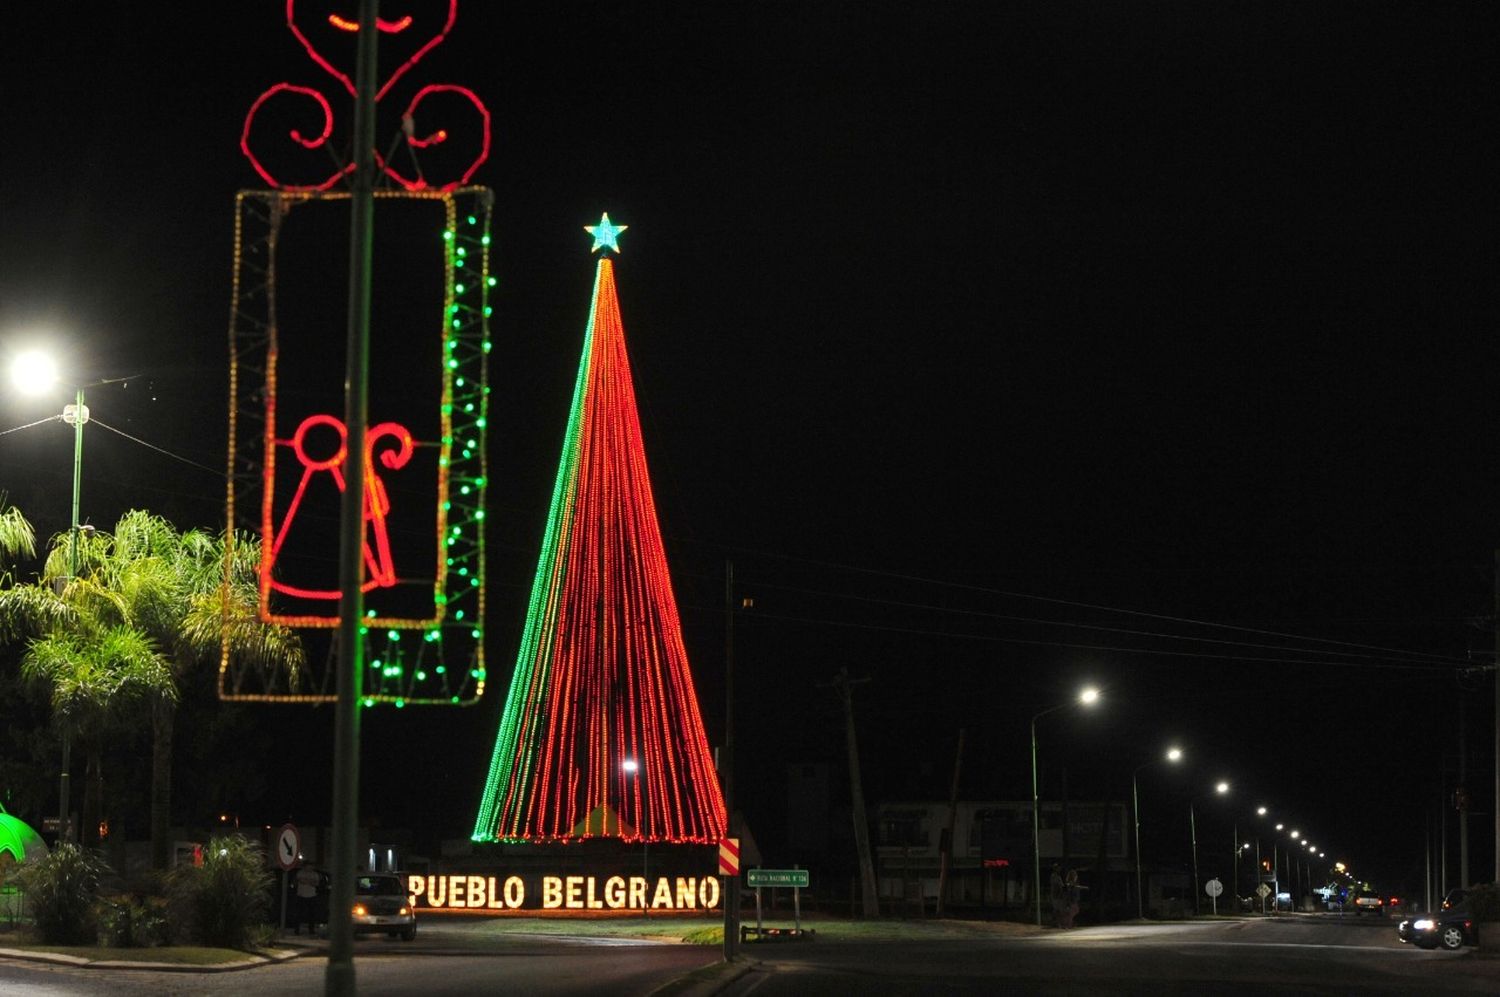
point(945, 855)
point(1496, 663)
point(869, 896)
point(1461, 795)
point(338, 977)
point(726, 773)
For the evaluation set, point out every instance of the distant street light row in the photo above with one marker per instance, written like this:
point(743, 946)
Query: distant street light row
point(1089, 696)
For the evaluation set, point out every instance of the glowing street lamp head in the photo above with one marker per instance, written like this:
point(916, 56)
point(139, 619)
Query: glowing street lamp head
point(1174, 754)
point(1088, 696)
point(1280, 826)
point(1261, 811)
point(1296, 835)
point(629, 766)
point(1221, 788)
point(33, 372)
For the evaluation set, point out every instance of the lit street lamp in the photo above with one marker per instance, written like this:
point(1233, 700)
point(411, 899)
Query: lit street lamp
point(1088, 696)
point(1173, 755)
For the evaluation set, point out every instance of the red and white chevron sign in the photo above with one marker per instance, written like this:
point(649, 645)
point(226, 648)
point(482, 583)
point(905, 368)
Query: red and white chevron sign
point(729, 857)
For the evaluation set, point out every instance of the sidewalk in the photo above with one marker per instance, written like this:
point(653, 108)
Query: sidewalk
point(250, 961)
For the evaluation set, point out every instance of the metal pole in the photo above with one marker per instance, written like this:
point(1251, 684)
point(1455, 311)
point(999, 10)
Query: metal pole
point(1036, 833)
point(1193, 830)
point(945, 857)
point(1463, 782)
point(731, 883)
point(339, 976)
point(1496, 663)
point(1135, 807)
point(1236, 871)
point(64, 788)
point(1258, 880)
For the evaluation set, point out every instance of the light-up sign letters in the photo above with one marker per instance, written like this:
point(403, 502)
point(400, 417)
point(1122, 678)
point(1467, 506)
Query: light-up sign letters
point(495, 894)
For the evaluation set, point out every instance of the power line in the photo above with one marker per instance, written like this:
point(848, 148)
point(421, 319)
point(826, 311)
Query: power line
point(1400, 652)
point(1413, 666)
point(151, 446)
point(1068, 624)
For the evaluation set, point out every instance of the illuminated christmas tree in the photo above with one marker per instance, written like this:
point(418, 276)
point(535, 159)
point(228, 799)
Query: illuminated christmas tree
point(601, 734)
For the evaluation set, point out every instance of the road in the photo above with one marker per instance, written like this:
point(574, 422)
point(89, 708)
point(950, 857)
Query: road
point(1288, 955)
point(443, 960)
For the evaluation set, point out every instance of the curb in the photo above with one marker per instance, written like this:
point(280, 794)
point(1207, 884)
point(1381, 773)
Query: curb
point(706, 981)
point(78, 962)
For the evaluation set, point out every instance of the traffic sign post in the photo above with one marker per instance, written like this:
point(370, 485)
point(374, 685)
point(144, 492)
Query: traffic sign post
point(797, 879)
point(729, 868)
point(1213, 888)
point(1262, 891)
point(288, 849)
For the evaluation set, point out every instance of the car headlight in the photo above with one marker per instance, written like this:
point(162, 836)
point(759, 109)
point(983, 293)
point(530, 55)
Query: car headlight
point(359, 910)
point(1424, 924)
point(405, 911)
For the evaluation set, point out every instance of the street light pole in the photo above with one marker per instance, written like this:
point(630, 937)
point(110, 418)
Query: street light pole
point(1087, 697)
point(1173, 755)
point(80, 416)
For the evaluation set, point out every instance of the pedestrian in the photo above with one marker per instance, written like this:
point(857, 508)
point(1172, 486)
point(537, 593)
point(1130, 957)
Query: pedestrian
point(307, 900)
point(1058, 893)
point(1072, 893)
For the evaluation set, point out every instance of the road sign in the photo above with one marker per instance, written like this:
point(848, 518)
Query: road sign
point(729, 857)
point(288, 847)
point(1213, 887)
point(777, 877)
point(1263, 891)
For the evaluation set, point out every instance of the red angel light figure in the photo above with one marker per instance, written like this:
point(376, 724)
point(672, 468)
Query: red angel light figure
point(380, 568)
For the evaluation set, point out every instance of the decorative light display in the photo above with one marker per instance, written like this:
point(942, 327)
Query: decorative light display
point(601, 718)
point(285, 449)
point(322, 34)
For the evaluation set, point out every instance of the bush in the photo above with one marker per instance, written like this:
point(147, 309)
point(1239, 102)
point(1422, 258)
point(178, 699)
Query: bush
point(1484, 902)
point(127, 922)
point(223, 901)
point(62, 892)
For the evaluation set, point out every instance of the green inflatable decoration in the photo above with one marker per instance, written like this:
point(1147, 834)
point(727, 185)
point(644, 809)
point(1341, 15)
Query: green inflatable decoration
point(18, 839)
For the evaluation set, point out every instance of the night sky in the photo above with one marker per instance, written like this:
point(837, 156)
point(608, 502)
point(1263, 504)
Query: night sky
point(1000, 347)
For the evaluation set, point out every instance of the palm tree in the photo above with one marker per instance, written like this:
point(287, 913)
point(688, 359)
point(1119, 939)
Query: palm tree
point(98, 676)
point(16, 535)
point(193, 597)
point(196, 595)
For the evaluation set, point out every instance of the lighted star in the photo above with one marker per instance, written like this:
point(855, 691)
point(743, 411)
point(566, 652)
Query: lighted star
point(606, 234)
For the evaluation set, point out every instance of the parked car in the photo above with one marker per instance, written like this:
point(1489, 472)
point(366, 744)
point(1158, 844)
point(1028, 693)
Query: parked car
point(1451, 926)
point(381, 904)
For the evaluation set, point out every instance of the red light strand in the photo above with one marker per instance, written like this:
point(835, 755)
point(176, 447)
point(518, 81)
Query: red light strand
point(603, 676)
point(252, 139)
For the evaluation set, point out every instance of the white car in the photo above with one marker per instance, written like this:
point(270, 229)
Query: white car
point(381, 904)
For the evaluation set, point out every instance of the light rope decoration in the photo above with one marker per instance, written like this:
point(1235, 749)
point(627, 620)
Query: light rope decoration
point(312, 149)
point(601, 735)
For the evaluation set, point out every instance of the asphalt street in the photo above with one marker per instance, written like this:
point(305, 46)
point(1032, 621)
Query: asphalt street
point(1290, 955)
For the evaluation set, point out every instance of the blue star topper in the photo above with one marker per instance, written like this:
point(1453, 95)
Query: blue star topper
point(606, 234)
